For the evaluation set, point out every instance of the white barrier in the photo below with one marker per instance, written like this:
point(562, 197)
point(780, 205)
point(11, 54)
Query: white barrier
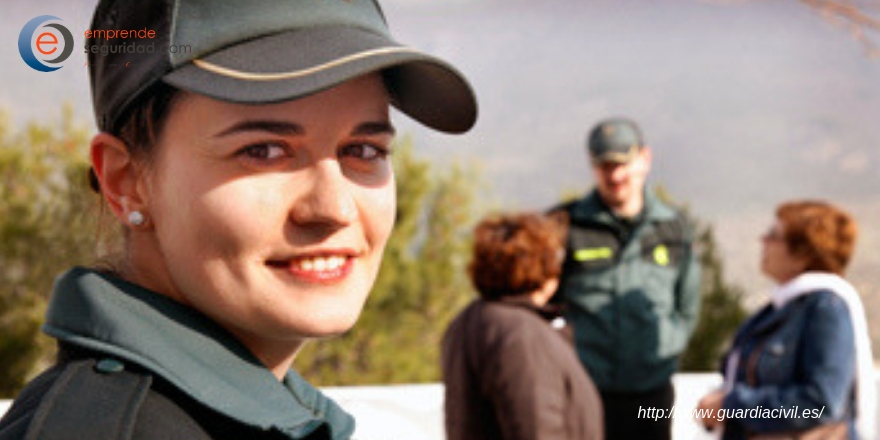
point(405, 412)
point(396, 412)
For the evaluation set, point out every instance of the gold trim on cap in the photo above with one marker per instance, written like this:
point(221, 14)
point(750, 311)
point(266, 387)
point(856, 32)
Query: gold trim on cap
point(255, 76)
point(618, 156)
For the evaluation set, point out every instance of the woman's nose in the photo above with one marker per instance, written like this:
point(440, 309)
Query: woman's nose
point(325, 197)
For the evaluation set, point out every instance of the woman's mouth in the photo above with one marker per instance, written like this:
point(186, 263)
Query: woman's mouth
point(319, 264)
point(316, 268)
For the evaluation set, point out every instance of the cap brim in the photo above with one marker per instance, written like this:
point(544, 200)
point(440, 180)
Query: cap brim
point(295, 64)
point(615, 157)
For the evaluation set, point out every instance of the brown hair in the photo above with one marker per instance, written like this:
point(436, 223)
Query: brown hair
point(823, 235)
point(141, 127)
point(517, 253)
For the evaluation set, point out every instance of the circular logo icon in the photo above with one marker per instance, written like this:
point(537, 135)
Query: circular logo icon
point(46, 44)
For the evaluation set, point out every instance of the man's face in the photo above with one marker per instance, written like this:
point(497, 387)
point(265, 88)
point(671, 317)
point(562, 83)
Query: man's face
point(620, 184)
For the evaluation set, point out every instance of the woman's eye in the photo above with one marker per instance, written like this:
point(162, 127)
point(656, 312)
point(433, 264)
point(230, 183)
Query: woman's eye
point(365, 152)
point(265, 151)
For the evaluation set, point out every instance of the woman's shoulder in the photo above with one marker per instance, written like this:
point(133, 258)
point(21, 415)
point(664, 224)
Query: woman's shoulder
point(823, 301)
point(823, 311)
point(61, 403)
point(498, 318)
point(16, 422)
point(509, 315)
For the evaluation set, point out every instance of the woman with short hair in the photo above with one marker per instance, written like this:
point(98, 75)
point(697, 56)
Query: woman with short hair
point(509, 370)
point(807, 354)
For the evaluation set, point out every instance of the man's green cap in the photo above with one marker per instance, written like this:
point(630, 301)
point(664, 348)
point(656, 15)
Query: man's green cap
point(265, 51)
point(615, 140)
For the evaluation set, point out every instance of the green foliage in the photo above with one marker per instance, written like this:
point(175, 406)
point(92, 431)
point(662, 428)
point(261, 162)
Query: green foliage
point(721, 312)
point(422, 284)
point(46, 224)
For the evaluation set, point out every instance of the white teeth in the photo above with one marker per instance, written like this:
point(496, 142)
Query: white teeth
point(320, 264)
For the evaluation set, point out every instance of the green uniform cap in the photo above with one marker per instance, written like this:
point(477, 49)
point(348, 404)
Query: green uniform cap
point(264, 52)
point(615, 140)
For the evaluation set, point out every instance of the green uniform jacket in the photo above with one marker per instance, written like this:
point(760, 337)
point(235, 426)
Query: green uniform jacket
point(632, 293)
point(136, 365)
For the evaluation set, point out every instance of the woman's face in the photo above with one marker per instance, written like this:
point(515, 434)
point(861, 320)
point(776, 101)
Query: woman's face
point(272, 219)
point(777, 261)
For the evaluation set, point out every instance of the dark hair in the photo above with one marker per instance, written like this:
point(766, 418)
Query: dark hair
point(820, 233)
point(141, 127)
point(516, 254)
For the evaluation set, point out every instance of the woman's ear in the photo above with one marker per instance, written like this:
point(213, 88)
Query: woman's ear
point(118, 175)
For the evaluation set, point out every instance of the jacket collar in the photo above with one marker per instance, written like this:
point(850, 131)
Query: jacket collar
point(548, 312)
point(109, 315)
point(766, 319)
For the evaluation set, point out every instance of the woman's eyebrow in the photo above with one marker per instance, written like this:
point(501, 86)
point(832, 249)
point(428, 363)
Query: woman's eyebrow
point(374, 128)
point(276, 127)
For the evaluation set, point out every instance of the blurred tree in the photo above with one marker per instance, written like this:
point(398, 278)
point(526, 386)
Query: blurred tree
point(47, 224)
point(423, 283)
point(721, 310)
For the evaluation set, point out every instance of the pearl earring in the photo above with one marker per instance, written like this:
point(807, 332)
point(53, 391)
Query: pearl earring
point(136, 218)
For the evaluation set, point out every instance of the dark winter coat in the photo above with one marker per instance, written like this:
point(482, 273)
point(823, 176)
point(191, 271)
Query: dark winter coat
point(510, 375)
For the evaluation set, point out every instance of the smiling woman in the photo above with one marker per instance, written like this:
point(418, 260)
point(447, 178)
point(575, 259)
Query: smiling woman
point(270, 219)
point(256, 199)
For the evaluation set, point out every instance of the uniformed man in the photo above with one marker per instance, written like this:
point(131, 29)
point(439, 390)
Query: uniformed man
point(630, 284)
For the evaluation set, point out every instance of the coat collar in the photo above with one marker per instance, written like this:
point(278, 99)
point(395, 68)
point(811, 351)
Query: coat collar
point(109, 315)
